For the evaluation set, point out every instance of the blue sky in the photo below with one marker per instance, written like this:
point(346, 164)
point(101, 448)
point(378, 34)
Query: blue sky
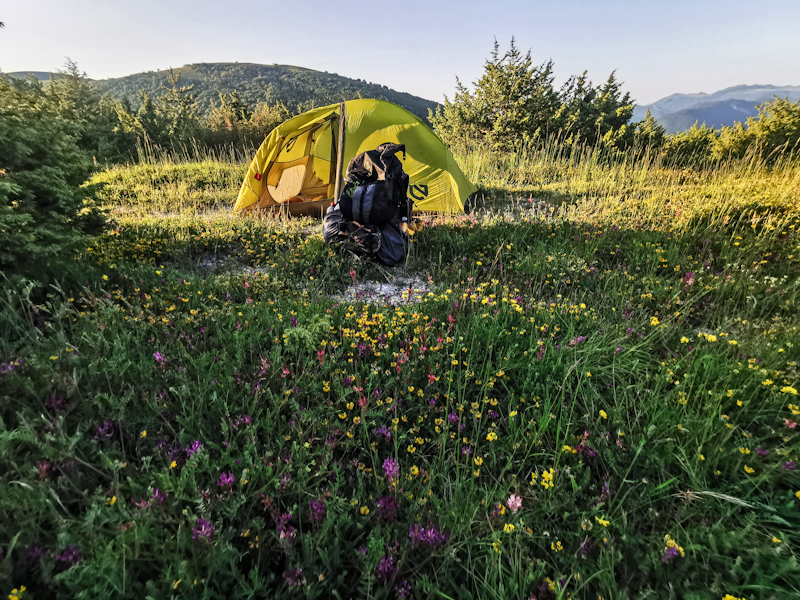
point(657, 47)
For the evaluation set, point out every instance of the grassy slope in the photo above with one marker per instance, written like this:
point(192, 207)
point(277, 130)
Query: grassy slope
point(624, 362)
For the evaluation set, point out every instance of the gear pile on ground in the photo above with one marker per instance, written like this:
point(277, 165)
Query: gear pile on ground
point(370, 217)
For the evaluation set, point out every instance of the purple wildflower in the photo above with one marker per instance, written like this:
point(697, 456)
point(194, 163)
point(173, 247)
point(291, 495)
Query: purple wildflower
point(243, 420)
point(403, 591)
point(386, 568)
point(34, 554)
point(317, 511)
point(382, 431)
point(293, 577)
point(576, 340)
point(203, 531)
point(158, 495)
point(194, 448)
point(71, 556)
point(452, 418)
point(392, 470)
point(226, 479)
point(12, 366)
point(427, 535)
point(789, 465)
point(105, 431)
point(56, 404)
point(159, 357)
point(140, 503)
point(761, 452)
point(293, 321)
point(670, 554)
point(586, 547)
point(386, 509)
point(286, 531)
point(285, 479)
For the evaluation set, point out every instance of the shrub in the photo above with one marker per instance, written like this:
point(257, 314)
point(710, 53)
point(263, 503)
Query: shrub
point(44, 211)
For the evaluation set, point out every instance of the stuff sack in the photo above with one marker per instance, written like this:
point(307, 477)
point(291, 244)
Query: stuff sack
point(394, 245)
point(358, 239)
point(376, 191)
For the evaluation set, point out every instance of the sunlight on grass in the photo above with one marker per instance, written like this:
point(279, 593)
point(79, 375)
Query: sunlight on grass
point(595, 396)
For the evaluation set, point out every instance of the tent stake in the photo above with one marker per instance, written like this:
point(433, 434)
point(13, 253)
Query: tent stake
point(339, 154)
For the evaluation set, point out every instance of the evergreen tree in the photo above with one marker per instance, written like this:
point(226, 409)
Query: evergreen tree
point(231, 114)
point(77, 101)
point(44, 209)
point(649, 132)
point(172, 118)
point(178, 110)
point(513, 103)
point(593, 115)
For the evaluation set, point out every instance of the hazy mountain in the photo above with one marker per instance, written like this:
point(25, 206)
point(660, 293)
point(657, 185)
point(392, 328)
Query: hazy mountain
point(681, 111)
point(713, 114)
point(43, 76)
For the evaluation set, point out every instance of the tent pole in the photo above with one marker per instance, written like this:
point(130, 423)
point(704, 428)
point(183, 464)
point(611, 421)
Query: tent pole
point(339, 153)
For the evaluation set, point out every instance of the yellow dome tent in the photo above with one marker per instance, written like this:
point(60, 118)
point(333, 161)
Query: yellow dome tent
point(295, 169)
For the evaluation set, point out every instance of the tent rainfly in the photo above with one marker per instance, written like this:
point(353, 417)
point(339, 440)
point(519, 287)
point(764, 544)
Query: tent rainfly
point(296, 168)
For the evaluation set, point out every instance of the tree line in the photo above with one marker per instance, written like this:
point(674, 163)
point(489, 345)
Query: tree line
point(111, 130)
point(515, 104)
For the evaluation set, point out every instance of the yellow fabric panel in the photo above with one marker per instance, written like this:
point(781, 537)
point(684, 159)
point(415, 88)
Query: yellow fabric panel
point(251, 190)
point(290, 183)
point(436, 182)
point(273, 176)
point(296, 146)
point(322, 169)
point(322, 144)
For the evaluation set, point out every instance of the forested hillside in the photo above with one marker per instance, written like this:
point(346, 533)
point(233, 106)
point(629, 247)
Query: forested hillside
point(296, 87)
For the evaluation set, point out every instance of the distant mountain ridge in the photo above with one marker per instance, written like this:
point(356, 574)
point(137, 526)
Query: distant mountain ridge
point(724, 107)
point(294, 86)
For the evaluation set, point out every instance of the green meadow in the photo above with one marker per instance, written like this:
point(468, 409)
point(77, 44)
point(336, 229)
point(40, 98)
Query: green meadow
point(585, 387)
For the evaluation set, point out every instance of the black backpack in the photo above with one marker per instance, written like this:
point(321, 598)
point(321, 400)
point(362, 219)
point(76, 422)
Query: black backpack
point(376, 191)
point(386, 243)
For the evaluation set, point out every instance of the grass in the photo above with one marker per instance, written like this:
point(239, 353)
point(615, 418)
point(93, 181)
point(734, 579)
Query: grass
point(597, 396)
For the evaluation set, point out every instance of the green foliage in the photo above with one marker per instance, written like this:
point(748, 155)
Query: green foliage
point(233, 121)
point(690, 147)
point(649, 133)
point(44, 211)
point(93, 118)
point(298, 88)
point(173, 118)
point(595, 115)
point(513, 103)
point(613, 372)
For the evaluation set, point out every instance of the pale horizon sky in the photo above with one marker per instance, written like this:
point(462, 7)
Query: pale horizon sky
point(657, 48)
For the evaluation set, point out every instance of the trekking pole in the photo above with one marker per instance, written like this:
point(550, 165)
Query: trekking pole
point(339, 154)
